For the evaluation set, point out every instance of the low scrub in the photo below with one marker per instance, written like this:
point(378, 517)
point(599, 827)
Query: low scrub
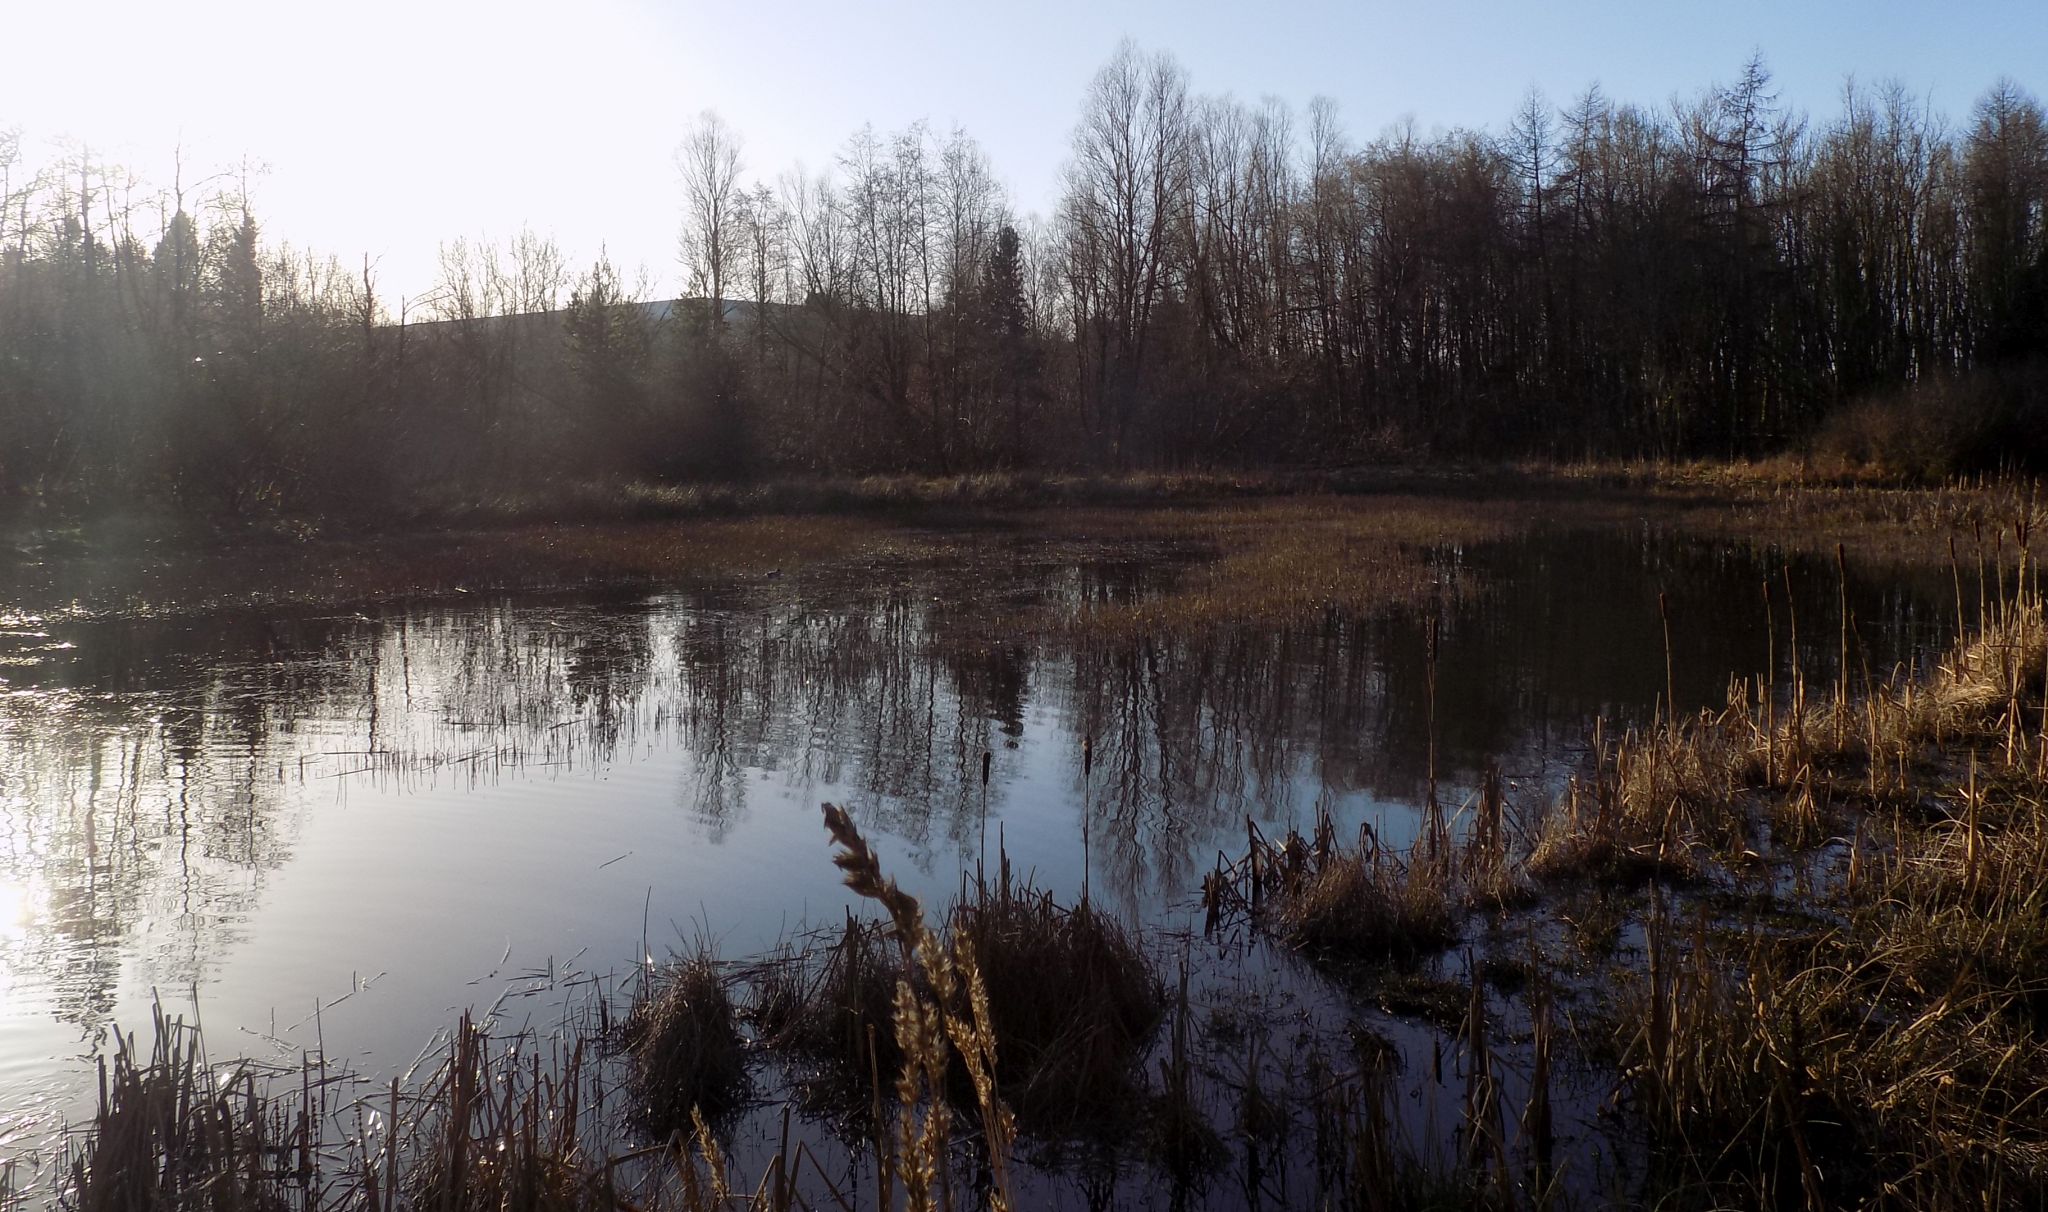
point(1930, 431)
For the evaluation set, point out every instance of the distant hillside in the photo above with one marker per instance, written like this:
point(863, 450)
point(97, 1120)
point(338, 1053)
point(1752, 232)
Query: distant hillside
point(739, 313)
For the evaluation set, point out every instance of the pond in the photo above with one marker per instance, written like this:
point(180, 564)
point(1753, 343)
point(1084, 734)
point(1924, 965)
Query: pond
point(333, 830)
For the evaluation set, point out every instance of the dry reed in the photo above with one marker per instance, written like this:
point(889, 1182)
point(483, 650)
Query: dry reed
point(683, 1036)
point(1072, 1000)
point(1890, 1052)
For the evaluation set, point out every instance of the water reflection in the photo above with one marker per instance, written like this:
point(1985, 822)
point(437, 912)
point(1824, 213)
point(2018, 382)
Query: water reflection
point(157, 777)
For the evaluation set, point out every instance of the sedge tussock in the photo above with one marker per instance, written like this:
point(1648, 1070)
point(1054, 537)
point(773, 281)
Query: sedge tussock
point(683, 1035)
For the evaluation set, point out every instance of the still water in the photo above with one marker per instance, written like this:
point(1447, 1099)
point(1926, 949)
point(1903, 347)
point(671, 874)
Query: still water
point(336, 830)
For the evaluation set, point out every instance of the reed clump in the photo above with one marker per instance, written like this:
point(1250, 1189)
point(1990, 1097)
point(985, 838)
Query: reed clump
point(1989, 689)
point(1356, 904)
point(173, 1132)
point(1070, 999)
point(1893, 1050)
point(494, 1129)
point(682, 1033)
point(1773, 1072)
point(1489, 868)
point(1365, 903)
point(1368, 906)
point(1739, 1064)
point(1073, 1001)
point(1677, 799)
point(1965, 904)
point(1660, 803)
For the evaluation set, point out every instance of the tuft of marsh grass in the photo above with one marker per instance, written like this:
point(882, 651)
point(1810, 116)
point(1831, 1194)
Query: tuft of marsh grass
point(682, 1033)
point(1072, 999)
point(1366, 906)
point(172, 1132)
point(1361, 904)
point(494, 1130)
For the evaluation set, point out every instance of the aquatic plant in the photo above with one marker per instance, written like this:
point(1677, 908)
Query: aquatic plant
point(495, 1128)
point(172, 1131)
point(1342, 904)
point(1072, 999)
point(683, 1036)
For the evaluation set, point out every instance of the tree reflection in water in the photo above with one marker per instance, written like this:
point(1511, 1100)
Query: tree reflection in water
point(157, 776)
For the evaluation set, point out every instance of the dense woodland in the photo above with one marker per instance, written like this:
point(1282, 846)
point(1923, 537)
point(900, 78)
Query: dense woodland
point(1220, 284)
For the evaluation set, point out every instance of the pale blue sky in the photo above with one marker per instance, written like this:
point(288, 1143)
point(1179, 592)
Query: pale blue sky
point(388, 125)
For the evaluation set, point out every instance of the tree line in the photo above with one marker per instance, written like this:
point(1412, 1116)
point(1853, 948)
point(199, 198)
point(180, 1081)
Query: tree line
point(1218, 284)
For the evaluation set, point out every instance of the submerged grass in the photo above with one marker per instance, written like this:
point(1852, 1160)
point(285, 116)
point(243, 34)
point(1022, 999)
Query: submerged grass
point(1288, 558)
point(829, 1005)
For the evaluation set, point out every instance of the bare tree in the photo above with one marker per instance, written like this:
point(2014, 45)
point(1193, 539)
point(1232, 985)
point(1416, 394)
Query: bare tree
point(1127, 194)
point(2005, 171)
point(709, 160)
